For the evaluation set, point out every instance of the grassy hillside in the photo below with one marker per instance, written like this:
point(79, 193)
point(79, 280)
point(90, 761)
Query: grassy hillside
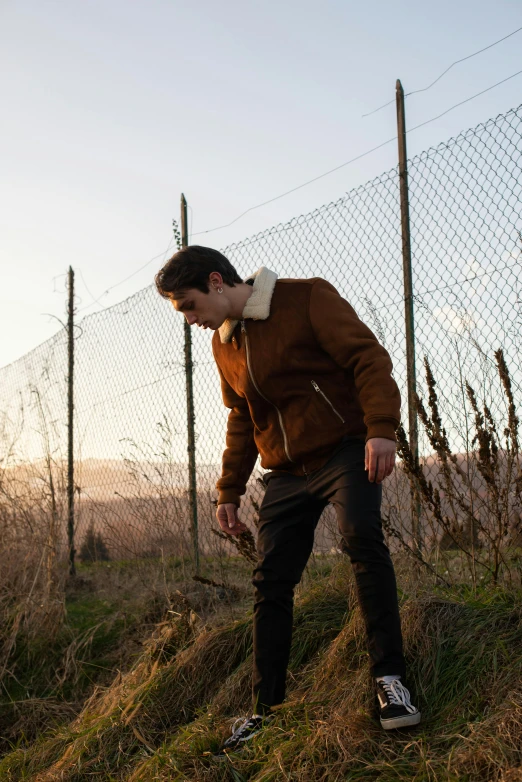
point(160, 719)
point(110, 610)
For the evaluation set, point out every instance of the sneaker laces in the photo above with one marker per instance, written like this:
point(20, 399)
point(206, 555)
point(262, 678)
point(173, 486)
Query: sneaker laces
point(398, 694)
point(240, 721)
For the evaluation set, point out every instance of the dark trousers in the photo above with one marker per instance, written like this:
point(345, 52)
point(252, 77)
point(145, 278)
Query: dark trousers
point(288, 516)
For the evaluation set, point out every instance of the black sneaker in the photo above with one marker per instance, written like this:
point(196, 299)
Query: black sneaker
point(243, 731)
point(396, 709)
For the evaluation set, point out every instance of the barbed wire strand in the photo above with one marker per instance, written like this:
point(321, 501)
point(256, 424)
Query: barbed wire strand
point(112, 287)
point(457, 62)
point(354, 159)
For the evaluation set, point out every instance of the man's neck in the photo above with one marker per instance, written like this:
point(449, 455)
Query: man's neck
point(238, 297)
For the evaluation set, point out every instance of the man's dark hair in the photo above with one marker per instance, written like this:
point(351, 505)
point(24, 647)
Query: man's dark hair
point(191, 268)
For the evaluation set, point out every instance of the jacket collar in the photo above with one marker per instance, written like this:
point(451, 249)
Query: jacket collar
point(258, 304)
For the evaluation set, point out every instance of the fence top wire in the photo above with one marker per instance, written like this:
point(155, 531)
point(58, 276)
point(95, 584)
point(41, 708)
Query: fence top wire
point(26, 357)
point(294, 222)
point(386, 178)
point(383, 178)
point(301, 219)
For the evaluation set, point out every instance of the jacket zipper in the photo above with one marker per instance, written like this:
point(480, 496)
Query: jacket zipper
point(249, 366)
point(323, 394)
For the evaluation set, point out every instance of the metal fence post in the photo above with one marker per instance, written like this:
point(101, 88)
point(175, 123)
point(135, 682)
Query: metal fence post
point(408, 304)
point(70, 425)
point(193, 496)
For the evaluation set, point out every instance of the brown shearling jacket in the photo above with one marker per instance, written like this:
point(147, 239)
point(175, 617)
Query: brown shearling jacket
point(298, 372)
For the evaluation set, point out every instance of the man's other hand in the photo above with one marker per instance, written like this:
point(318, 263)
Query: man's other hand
point(379, 458)
point(229, 520)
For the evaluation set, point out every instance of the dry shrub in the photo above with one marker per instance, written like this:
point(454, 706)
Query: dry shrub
point(470, 502)
point(32, 577)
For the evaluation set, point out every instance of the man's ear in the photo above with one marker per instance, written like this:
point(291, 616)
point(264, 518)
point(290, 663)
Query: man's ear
point(215, 279)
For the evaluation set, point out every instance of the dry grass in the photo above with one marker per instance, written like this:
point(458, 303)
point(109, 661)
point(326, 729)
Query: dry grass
point(111, 611)
point(161, 719)
point(174, 655)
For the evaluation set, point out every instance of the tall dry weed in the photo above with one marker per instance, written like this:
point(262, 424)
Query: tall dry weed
point(471, 502)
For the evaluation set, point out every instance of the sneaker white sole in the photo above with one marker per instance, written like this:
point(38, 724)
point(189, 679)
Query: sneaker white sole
point(401, 722)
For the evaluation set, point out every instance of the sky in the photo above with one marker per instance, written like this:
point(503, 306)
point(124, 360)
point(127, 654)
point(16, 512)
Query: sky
point(111, 109)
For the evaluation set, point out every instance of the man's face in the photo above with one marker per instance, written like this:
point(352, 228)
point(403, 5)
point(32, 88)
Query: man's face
point(207, 310)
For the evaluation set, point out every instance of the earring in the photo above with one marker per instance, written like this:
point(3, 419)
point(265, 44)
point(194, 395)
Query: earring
point(220, 290)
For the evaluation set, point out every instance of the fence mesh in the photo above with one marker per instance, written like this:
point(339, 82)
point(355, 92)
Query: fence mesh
point(130, 424)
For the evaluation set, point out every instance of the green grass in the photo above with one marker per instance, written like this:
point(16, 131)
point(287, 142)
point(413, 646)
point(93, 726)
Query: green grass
point(62, 671)
point(111, 610)
point(175, 705)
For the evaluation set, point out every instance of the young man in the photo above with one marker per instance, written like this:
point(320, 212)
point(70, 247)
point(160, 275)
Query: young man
point(310, 389)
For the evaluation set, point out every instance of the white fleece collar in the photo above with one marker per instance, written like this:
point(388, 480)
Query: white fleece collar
point(258, 304)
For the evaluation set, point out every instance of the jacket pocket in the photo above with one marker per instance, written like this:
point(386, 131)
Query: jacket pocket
point(337, 413)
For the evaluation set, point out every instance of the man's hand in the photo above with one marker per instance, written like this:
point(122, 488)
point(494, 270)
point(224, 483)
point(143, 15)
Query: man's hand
point(229, 520)
point(379, 458)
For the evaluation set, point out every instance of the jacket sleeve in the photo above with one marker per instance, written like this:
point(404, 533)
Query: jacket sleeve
point(240, 454)
point(352, 345)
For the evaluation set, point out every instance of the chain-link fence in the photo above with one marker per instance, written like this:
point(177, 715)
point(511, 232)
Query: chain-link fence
point(130, 418)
